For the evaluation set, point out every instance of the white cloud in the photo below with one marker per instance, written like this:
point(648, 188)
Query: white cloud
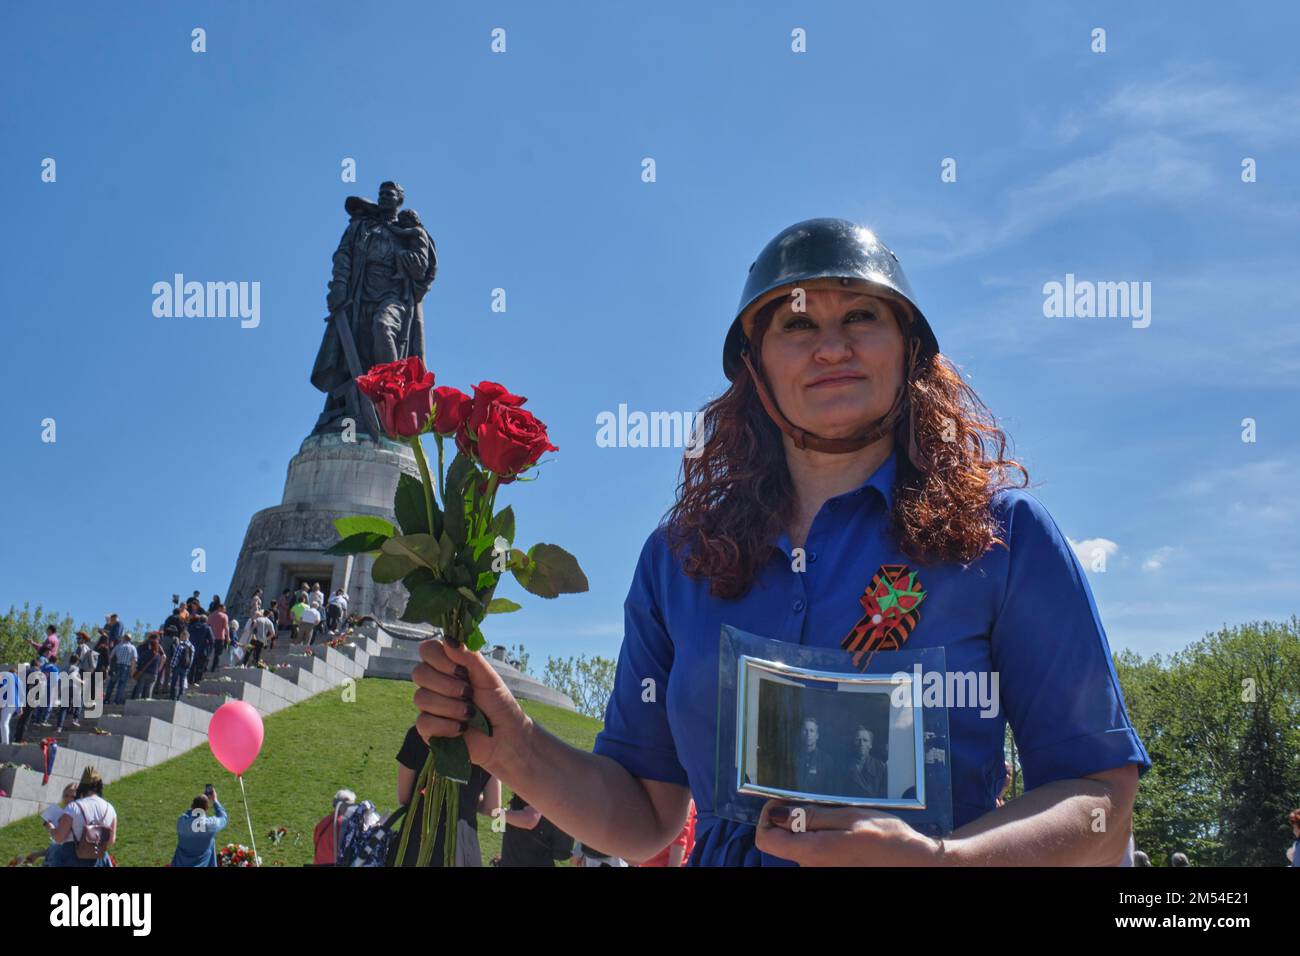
point(1195, 106)
point(1156, 559)
point(1091, 551)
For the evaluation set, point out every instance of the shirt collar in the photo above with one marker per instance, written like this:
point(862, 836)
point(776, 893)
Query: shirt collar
point(882, 480)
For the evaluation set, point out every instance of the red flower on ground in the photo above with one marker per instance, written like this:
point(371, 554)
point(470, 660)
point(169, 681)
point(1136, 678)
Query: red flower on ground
point(402, 393)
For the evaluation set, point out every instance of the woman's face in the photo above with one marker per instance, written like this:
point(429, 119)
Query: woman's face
point(836, 366)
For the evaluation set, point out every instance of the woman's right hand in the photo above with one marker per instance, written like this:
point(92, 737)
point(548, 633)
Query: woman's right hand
point(442, 678)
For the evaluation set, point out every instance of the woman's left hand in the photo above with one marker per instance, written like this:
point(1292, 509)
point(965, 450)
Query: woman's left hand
point(813, 835)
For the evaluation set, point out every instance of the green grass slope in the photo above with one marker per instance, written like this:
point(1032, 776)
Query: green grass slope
point(311, 750)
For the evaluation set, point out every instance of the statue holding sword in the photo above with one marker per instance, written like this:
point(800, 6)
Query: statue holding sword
point(384, 265)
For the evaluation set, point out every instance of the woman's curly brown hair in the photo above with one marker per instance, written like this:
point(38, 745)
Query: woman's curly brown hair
point(736, 496)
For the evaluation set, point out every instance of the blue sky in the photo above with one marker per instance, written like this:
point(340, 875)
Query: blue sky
point(526, 167)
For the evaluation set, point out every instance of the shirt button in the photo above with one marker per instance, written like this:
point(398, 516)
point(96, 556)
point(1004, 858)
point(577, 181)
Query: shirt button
point(798, 605)
point(812, 555)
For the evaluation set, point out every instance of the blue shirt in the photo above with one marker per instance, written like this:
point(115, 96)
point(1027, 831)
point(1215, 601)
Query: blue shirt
point(196, 835)
point(1024, 611)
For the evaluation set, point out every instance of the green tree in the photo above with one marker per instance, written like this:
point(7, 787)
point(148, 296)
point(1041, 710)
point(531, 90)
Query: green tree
point(588, 681)
point(1221, 721)
point(19, 627)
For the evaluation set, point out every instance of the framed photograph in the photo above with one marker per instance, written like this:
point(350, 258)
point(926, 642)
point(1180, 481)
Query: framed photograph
point(834, 738)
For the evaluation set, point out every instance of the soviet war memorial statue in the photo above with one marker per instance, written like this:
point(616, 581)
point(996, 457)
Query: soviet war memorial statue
point(384, 265)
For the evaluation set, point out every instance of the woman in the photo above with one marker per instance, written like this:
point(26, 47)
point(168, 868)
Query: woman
point(103, 648)
point(481, 795)
point(89, 809)
point(50, 818)
point(845, 443)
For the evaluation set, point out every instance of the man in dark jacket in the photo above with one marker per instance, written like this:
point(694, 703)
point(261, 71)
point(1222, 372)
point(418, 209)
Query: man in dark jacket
point(202, 638)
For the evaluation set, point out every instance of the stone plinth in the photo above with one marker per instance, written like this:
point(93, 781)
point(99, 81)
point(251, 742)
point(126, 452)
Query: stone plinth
point(328, 478)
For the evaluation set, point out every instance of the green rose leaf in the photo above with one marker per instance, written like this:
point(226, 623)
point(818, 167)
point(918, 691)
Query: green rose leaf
point(408, 505)
point(479, 722)
point(446, 550)
point(430, 601)
point(459, 472)
point(417, 577)
point(482, 543)
point(356, 524)
point(502, 606)
point(475, 640)
point(389, 568)
point(459, 475)
point(454, 521)
point(362, 542)
point(551, 572)
point(485, 579)
point(416, 548)
point(468, 595)
point(503, 523)
point(450, 759)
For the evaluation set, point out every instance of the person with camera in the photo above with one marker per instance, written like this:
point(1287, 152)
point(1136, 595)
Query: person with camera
point(196, 830)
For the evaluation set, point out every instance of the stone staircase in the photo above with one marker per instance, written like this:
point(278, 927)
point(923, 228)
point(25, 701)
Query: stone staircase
point(144, 733)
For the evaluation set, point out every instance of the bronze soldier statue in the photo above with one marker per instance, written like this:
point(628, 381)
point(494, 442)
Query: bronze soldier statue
point(384, 265)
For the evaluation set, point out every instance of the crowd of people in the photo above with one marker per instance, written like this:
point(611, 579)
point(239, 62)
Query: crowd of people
point(165, 664)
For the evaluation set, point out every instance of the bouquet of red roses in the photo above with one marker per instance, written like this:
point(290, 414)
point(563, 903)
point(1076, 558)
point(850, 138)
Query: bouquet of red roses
point(453, 546)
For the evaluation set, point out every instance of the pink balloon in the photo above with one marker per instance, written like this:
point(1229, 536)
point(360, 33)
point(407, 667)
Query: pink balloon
point(235, 735)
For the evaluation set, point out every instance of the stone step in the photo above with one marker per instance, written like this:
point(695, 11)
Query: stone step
point(182, 713)
point(389, 668)
point(141, 733)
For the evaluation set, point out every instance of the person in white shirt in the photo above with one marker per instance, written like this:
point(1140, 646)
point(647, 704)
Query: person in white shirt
point(261, 633)
point(338, 610)
point(316, 598)
point(11, 695)
point(309, 624)
point(121, 661)
point(89, 809)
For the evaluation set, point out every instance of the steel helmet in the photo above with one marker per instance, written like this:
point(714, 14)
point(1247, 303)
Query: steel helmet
point(818, 249)
point(821, 249)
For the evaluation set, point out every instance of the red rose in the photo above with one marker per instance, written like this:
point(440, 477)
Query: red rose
point(511, 440)
point(402, 393)
point(485, 395)
point(453, 408)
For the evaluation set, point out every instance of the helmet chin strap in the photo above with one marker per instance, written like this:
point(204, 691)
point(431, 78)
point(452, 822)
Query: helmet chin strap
point(872, 433)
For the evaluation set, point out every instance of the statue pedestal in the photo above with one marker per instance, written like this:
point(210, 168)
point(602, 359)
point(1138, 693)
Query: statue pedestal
point(328, 478)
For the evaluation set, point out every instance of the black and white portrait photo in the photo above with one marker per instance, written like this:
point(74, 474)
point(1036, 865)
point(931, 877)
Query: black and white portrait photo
point(829, 738)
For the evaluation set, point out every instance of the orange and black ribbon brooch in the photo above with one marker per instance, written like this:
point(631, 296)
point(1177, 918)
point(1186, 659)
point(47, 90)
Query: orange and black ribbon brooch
point(891, 605)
